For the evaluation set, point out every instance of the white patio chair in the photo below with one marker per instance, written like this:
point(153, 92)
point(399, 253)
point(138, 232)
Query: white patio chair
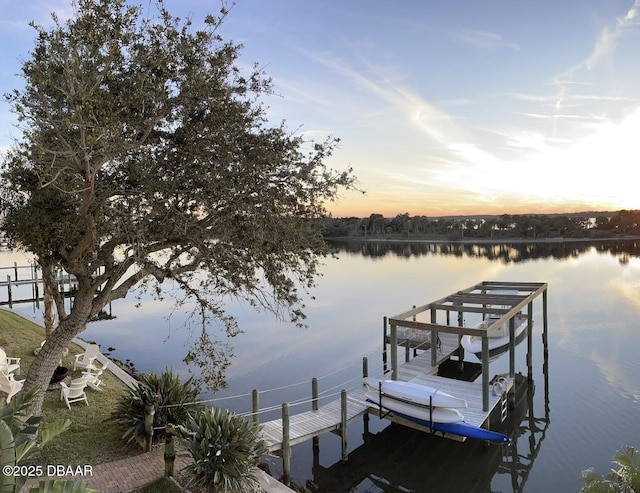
point(93, 376)
point(10, 386)
point(8, 365)
point(74, 392)
point(86, 359)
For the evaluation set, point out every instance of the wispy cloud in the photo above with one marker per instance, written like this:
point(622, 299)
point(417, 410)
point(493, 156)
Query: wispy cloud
point(483, 39)
point(603, 49)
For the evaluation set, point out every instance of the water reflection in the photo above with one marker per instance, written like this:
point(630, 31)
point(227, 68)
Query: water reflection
point(504, 252)
point(399, 459)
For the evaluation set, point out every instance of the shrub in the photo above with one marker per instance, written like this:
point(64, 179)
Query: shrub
point(625, 478)
point(170, 398)
point(225, 448)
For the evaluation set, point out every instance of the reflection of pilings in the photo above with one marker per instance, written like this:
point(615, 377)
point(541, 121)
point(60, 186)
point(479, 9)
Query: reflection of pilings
point(530, 342)
point(521, 464)
point(545, 343)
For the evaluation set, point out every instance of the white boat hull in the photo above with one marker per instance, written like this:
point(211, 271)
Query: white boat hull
point(415, 393)
point(498, 341)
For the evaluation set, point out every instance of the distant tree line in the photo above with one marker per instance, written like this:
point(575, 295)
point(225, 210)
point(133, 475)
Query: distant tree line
point(587, 225)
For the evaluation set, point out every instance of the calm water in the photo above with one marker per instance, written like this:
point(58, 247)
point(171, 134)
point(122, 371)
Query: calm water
point(592, 407)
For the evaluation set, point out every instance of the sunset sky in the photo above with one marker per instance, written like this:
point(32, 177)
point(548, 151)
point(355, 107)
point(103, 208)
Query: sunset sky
point(442, 107)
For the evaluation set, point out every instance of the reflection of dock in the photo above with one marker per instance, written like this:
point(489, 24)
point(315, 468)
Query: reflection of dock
point(432, 367)
point(19, 277)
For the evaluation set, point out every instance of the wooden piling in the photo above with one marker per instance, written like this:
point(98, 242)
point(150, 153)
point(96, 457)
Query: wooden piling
point(434, 340)
point(485, 373)
point(394, 352)
point(530, 342)
point(314, 405)
point(512, 347)
point(343, 424)
point(169, 450)
point(384, 344)
point(286, 447)
point(255, 406)
point(149, 412)
point(365, 367)
point(9, 295)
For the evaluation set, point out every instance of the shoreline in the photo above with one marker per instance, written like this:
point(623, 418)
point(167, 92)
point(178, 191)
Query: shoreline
point(485, 241)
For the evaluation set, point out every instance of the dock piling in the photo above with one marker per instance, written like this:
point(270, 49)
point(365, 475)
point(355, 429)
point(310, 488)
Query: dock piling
point(343, 424)
point(255, 406)
point(286, 446)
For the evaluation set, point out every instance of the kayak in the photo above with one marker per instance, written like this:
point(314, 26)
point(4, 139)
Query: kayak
point(414, 393)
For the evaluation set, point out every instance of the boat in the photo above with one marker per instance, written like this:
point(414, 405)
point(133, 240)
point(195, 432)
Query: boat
point(440, 419)
point(498, 340)
point(414, 393)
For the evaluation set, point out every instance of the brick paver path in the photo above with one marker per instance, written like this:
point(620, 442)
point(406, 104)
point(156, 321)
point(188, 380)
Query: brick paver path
point(127, 474)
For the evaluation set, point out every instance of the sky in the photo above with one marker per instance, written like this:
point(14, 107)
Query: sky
point(442, 107)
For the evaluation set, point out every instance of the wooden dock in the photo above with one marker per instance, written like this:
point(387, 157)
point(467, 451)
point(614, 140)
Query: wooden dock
point(13, 278)
point(306, 425)
point(483, 395)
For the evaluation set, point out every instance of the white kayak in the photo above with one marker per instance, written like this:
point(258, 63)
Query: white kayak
point(414, 393)
point(425, 413)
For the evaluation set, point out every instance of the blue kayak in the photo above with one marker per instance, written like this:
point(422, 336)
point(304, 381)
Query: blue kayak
point(459, 428)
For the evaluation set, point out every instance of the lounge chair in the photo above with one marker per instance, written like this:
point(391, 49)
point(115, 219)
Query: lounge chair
point(93, 376)
point(85, 360)
point(8, 365)
point(9, 385)
point(74, 392)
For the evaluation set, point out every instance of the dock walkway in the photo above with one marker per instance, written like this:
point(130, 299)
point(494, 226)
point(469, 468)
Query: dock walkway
point(306, 425)
point(328, 418)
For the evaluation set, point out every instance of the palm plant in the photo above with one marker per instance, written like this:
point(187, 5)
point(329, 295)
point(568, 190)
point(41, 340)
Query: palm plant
point(21, 437)
point(623, 478)
point(170, 398)
point(225, 448)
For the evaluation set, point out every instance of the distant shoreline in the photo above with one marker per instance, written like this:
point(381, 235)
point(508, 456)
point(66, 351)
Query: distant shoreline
point(485, 241)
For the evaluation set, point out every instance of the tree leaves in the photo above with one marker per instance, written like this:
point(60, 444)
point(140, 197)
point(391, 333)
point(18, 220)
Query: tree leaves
point(145, 153)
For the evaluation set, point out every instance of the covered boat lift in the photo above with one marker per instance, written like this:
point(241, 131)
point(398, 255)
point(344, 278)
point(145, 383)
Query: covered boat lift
point(502, 299)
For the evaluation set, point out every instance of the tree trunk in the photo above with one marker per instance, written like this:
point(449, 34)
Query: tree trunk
point(42, 368)
point(49, 314)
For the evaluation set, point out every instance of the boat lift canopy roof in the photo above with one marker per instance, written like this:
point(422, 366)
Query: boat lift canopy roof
point(502, 298)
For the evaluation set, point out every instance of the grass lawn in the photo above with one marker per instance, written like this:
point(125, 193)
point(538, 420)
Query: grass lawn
point(90, 440)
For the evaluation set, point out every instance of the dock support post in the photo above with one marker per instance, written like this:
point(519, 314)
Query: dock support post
point(485, 373)
point(255, 406)
point(314, 406)
point(512, 347)
point(545, 343)
point(530, 342)
point(434, 340)
point(365, 374)
point(460, 346)
point(343, 424)
point(384, 344)
point(407, 350)
point(286, 447)
point(394, 352)
point(9, 296)
point(314, 394)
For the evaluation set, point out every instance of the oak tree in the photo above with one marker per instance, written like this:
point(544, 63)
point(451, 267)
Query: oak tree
point(145, 156)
